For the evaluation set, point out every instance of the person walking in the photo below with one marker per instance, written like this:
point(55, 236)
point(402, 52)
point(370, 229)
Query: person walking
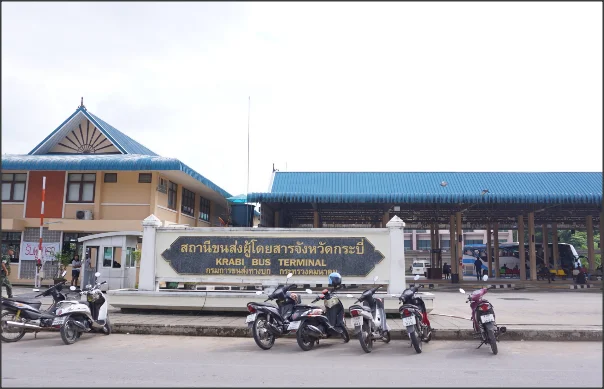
point(76, 266)
point(478, 266)
point(5, 272)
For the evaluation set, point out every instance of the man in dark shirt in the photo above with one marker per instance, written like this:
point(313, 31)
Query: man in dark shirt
point(478, 266)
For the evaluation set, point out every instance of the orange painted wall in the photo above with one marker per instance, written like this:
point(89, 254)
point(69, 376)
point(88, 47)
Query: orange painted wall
point(55, 194)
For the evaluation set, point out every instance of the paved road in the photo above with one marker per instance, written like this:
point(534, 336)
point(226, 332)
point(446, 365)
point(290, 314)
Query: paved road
point(154, 361)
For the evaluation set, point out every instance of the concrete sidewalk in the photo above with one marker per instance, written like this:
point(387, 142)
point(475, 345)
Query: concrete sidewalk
point(528, 315)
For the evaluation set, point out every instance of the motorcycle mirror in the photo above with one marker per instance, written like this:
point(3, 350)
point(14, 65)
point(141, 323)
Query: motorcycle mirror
point(485, 278)
point(308, 291)
point(416, 277)
point(349, 296)
point(289, 275)
point(72, 287)
point(97, 274)
point(462, 291)
point(64, 272)
point(258, 292)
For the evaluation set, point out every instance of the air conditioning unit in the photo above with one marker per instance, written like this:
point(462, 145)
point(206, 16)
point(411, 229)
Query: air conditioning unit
point(84, 215)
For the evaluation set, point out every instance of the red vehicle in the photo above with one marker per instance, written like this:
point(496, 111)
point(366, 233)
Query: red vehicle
point(483, 318)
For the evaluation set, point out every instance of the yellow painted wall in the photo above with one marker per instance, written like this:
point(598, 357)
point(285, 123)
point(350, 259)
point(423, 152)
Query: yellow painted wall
point(12, 211)
point(126, 190)
point(163, 214)
point(125, 212)
point(71, 209)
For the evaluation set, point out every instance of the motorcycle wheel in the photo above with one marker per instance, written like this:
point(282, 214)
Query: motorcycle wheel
point(10, 334)
point(305, 342)
point(107, 327)
point(365, 338)
point(386, 337)
point(345, 334)
point(429, 334)
point(69, 333)
point(415, 341)
point(263, 337)
point(491, 337)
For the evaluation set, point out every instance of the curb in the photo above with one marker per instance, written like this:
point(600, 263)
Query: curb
point(444, 334)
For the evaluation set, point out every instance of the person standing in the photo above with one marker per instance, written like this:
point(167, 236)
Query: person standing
point(478, 266)
point(446, 270)
point(5, 272)
point(76, 266)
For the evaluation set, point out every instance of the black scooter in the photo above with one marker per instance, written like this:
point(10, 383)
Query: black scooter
point(26, 314)
point(270, 321)
point(315, 325)
point(415, 317)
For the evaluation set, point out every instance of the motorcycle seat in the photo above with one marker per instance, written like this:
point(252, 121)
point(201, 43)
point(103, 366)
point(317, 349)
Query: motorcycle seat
point(363, 307)
point(265, 304)
point(304, 306)
point(25, 300)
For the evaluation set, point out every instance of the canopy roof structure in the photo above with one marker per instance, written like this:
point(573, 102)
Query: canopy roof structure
point(431, 197)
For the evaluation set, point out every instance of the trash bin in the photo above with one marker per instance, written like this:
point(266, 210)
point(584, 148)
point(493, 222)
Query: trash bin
point(455, 278)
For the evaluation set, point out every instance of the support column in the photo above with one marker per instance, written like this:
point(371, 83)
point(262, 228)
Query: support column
point(544, 232)
point(489, 252)
point(154, 193)
point(277, 216)
point(555, 253)
point(532, 253)
point(316, 219)
point(179, 204)
point(98, 189)
point(590, 244)
point(496, 248)
point(521, 251)
point(452, 244)
point(414, 240)
point(397, 283)
point(146, 280)
point(432, 245)
point(385, 219)
point(459, 250)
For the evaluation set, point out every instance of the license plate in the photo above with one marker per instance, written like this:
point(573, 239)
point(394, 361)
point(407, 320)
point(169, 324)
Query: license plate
point(294, 325)
point(357, 321)
point(409, 321)
point(58, 321)
point(487, 318)
point(250, 318)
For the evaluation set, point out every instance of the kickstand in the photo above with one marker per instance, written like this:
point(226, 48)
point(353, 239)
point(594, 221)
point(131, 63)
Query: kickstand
point(479, 346)
point(36, 335)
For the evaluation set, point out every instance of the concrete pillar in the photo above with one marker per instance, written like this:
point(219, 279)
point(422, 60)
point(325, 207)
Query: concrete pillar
point(452, 244)
point(590, 244)
point(146, 279)
point(532, 253)
point(154, 193)
point(178, 203)
point(397, 283)
point(489, 252)
point(316, 219)
point(98, 189)
point(555, 253)
point(414, 240)
point(459, 234)
point(277, 215)
point(521, 252)
point(496, 248)
point(432, 245)
point(544, 232)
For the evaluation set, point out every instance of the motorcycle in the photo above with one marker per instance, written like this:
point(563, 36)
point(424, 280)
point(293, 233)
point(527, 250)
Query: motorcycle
point(415, 318)
point(270, 321)
point(27, 316)
point(87, 316)
point(483, 318)
point(314, 324)
point(369, 319)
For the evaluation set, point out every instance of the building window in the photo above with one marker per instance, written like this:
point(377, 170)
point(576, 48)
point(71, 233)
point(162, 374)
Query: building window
point(188, 203)
point(110, 177)
point(144, 178)
point(112, 257)
point(13, 187)
point(71, 245)
point(80, 187)
point(11, 240)
point(423, 244)
point(172, 188)
point(503, 240)
point(204, 209)
point(445, 244)
point(474, 241)
point(407, 245)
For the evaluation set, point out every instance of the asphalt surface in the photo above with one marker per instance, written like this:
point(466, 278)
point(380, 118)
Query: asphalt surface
point(171, 361)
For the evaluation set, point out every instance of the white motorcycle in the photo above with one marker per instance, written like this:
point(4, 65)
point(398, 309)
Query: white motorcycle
point(84, 316)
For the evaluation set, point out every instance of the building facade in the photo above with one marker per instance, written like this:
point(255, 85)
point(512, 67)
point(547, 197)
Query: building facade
point(97, 180)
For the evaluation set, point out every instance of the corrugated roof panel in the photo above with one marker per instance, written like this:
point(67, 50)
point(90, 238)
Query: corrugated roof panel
point(419, 187)
point(128, 144)
point(128, 162)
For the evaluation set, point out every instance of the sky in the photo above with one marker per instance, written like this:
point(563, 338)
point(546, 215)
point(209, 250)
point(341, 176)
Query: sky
point(493, 86)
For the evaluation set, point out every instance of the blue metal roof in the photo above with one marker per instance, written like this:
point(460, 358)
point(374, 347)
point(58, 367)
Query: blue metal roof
point(416, 187)
point(120, 162)
point(121, 141)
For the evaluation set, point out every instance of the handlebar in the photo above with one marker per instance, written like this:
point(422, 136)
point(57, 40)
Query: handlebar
point(315, 300)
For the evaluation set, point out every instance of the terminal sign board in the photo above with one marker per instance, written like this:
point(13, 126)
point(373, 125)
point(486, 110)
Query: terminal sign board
point(269, 256)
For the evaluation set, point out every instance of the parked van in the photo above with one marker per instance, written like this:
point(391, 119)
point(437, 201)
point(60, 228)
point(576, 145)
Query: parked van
point(420, 266)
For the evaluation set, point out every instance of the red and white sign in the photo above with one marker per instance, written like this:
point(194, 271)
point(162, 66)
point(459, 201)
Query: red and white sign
point(29, 250)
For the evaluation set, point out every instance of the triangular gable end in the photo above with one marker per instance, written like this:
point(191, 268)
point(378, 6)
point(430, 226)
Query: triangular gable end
point(79, 134)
